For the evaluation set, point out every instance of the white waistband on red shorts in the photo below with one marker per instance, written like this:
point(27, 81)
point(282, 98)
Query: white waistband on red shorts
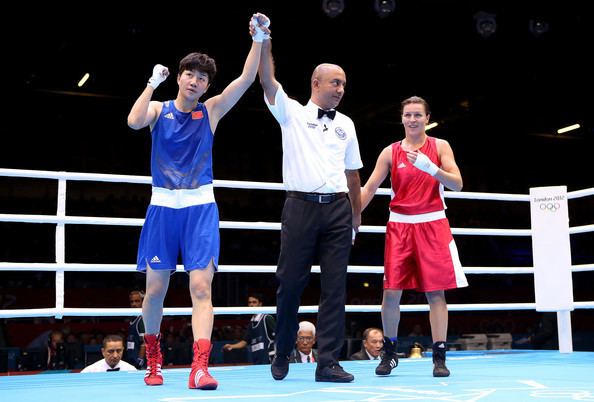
point(418, 218)
point(182, 198)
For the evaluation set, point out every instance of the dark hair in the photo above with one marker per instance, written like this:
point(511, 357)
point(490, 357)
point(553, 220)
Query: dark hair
point(257, 295)
point(198, 61)
point(415, 99)
point(112, 338)
point(368, 331)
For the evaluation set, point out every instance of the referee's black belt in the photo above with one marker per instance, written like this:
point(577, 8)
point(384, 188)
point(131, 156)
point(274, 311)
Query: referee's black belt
point(319, 198)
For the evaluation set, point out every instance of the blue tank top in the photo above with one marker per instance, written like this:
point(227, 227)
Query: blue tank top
point(181, 156)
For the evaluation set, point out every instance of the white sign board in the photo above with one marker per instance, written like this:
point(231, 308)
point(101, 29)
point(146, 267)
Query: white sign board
point(551, 250)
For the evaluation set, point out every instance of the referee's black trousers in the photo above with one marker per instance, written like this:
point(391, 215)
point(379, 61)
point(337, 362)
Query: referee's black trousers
point(309, 228)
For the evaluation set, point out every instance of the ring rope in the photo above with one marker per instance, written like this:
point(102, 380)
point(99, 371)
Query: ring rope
point(60, 267)
point(250, 269)
point(186, 311)
point(90, 220)
point(113, 178)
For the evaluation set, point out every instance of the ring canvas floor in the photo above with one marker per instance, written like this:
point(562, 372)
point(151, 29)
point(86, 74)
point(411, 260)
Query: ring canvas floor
point(487, 376)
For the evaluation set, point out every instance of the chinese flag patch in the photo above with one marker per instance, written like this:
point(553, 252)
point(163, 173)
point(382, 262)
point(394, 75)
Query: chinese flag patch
point(197, 115)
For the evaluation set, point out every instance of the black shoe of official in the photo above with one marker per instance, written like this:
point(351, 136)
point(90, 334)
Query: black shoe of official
point(333, 373)
point(279, 367)
point(389, 358)
point(439, 358)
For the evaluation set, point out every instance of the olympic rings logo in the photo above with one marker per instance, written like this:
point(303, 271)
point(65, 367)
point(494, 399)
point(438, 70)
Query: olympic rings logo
point(550, 206)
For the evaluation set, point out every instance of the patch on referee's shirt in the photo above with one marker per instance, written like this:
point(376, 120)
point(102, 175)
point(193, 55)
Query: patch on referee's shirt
point(312, 125)
point(340, 133)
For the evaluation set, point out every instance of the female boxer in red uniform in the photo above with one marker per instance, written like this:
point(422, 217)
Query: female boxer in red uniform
point(420, 252)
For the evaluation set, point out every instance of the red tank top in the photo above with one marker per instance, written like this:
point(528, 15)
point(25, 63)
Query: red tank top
point(414, 191)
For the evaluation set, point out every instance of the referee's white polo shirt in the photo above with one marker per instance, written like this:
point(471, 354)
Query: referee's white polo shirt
point(316, 152)
point(101, 366)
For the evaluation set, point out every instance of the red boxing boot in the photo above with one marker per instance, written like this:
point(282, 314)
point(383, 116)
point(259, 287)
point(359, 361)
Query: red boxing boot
point(154, 359)
point(200, 378)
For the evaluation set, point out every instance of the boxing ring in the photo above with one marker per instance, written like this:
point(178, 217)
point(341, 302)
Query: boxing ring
point(476, 375)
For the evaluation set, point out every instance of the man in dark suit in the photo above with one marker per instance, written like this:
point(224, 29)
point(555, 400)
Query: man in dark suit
point(306, 338)
point(373, 341)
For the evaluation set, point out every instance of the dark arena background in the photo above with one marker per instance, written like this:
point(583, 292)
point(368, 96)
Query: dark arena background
point(501, 78)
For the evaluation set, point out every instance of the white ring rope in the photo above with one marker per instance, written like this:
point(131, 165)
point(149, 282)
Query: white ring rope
point(251, 269)
point(114, 178)
point(186, 311)
point(60, 267)
point(90, 220)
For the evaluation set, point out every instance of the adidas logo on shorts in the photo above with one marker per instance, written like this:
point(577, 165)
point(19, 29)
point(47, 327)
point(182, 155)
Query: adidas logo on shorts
point(155, 259)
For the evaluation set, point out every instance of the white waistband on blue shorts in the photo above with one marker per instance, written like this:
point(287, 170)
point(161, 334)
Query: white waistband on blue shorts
point(182, 198)
point(418, 218)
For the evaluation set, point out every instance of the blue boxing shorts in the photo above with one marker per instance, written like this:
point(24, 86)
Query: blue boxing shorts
point(193, 230)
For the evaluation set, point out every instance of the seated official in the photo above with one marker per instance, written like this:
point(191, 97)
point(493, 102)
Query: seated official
point(259, 335)
point(112, 351)
point(306, 338)
point(135, 353)
point(373, 341)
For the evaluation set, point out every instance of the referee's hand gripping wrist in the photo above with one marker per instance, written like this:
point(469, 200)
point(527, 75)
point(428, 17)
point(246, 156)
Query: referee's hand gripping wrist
point(260, 24)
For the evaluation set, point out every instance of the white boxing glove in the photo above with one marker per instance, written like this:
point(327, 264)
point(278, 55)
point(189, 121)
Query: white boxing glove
point(260, 34)
point(160, 74)
point(424, 163)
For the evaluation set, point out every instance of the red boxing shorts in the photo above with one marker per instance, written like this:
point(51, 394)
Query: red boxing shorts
point(421, 256)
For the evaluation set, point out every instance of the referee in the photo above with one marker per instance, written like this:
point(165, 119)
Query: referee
point(320, 167)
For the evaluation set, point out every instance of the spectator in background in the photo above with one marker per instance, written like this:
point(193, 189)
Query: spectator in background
point(306, 338)
point(259, 335)
point(417, 330)
point(3, 305)
point(112, 351)
point(373, 342)
point(135, 348)
point(545, 335)
point(2, 336)
point(55, 353)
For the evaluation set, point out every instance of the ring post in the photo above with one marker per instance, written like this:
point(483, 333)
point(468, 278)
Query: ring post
point(60, 248)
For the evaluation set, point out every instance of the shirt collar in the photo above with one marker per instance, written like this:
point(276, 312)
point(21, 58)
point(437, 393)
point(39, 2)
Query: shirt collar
point(303, 356)
point(370, 356)
point(312, 109)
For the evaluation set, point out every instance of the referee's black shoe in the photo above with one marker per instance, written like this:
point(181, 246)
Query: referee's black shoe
point(280, 367)
point(333, 373)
